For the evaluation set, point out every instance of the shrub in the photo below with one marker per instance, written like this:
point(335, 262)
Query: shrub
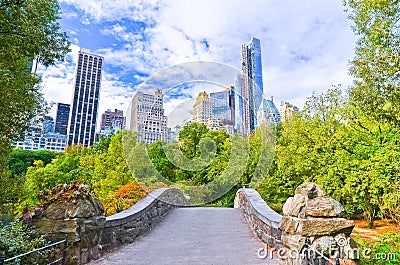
point(15, 239)
point(126, 196)
point(384, 251)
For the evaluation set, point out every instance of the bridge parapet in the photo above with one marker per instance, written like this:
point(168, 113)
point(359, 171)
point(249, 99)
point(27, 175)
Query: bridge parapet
point(314, 228)
point(126, 226)
point(263, 220)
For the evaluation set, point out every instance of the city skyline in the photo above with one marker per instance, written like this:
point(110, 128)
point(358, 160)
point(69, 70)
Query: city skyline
point(306, 47)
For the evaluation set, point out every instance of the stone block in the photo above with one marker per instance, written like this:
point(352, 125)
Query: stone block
point(316, 226)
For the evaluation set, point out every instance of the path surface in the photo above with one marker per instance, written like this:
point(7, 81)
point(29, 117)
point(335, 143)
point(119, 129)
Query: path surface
point(193, 236)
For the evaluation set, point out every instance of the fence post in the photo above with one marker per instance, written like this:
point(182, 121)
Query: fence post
point(2, 258)
point(64, 254)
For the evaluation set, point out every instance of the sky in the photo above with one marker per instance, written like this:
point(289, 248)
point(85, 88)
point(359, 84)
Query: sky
point(306, 45)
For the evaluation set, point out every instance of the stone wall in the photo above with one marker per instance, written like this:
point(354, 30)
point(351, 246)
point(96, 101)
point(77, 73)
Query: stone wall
point(125, 227)
point(314, 226)
point(263, 220)
point(72, 210)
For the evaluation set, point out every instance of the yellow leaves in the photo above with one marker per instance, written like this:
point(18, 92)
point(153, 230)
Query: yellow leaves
point(38, 164)
point(387, 106)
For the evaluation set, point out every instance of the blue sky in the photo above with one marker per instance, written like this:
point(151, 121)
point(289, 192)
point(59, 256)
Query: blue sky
point(306, 45)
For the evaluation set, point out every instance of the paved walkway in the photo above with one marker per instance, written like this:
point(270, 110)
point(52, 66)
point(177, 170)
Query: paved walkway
point(193, 236)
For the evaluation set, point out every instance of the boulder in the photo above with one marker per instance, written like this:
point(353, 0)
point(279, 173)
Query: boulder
point(295, 206)
point(324, 207)
point(71, 210)
point(309, 190)
point(310, 200)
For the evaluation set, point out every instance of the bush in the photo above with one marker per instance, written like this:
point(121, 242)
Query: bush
point(16, 239)
point(384, 251)
point(227, 200)
point(5, 219)
point(126, 196)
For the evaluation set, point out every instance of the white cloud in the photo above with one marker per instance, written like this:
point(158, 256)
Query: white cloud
point(110, 10)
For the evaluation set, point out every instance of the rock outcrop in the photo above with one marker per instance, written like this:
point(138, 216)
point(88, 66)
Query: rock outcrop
point(72, 210)
point(316, 223)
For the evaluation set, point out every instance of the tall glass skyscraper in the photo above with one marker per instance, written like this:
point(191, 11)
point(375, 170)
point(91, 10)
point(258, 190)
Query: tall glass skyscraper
point(238, 98)
point(82, 125)
point(252, 84)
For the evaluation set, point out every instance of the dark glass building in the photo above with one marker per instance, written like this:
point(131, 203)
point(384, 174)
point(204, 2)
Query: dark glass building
point(82, 125)
point(62, 117)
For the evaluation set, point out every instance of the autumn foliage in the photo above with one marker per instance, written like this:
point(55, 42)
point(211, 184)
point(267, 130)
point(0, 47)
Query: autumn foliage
point(126, 196)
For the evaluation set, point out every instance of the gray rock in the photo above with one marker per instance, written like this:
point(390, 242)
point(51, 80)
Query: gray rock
point(295, 206)
point(324, 207)
point(316, 226)
point(309, 190)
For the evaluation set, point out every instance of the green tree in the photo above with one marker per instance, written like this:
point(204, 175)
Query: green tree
point(21, 159)
point(374, 98)
point(376, 64)
point(160, 161)
point(62, 170)
point(111, 169)
point(311, 145)
point(189, 138)
point(28, 30)
point(12, 183)
point(373, 172)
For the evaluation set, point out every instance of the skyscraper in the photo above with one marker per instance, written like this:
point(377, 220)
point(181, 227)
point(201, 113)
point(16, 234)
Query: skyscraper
point(268, 112)
point(48, 125)
point(147, 117)
point(252, 83)
point(62, 117)
point(238, 126)
point(202, 110)
point(82, 125)
point(223, 105)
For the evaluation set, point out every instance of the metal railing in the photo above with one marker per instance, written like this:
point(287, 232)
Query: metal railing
point(319, 259)
point(19, 258)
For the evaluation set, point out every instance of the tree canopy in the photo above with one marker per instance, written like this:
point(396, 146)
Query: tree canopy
point(29, 30)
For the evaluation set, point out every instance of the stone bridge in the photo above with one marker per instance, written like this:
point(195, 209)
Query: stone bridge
point(163, 229)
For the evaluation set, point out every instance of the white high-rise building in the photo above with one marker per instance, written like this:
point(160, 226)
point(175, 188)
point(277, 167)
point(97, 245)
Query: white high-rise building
point(146, 117)
point(84, 108)
point(202, 108)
